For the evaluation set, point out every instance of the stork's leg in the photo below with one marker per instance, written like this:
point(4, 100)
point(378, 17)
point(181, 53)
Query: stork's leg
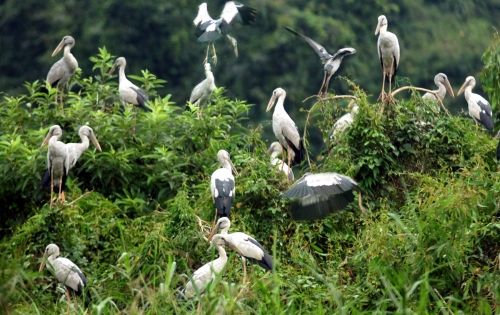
point(198, 309)
point(69, 299)
point(51, 189)
point(206, 57)
point(282, 158)
point(244, 269)
point(60, 195)
point(382, 94)
point(328, 83)
point(322, 84)
point(390, 80)
point(289, 161)
point(61, 97)
point(215, 54)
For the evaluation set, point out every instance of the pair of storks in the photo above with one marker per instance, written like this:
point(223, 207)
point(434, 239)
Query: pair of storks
point(61, 72)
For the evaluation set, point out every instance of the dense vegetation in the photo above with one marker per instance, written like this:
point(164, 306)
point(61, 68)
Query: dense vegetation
point(137, 212)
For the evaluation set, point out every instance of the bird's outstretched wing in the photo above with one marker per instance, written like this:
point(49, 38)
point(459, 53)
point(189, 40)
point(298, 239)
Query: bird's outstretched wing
point(236, 12)
point(203, 15)
point(320, 50)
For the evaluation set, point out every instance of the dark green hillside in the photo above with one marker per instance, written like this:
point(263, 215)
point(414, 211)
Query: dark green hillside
point(136, 213)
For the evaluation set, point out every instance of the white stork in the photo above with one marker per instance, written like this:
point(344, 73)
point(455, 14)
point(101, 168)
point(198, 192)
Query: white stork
point(497, 137)
point(331, 62)
point(75, 150)
point(274, 150)
point(209, 30)
point(206, 273)
point(479, 108)
point(129, 92)
point(343, 122)
point(388, 53)
point(61, 72)
point(57, 163)
point(286, 130)
point(321, 194)
point(66, 273)
point(222, 185)
point(203, 90)
point(246, 246)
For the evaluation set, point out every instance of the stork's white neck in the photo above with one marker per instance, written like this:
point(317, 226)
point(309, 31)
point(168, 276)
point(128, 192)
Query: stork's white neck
point(222, 252)
point(69, 58)
point(468, 91)
point(122, 77)
point(383, 29)
point(226, 164)
point(441, 91)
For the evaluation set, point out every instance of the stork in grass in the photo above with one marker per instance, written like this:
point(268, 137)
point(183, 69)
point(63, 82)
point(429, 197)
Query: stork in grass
point(479, 107)
point(286, 130)
point(57, 163)
point(61, 72)
point(67, 273)
point(247, 247)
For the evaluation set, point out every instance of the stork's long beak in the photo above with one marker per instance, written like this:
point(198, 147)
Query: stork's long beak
point(271, 149)
point(95, 142)
point(47, 138)
point(214, 231)
point(448, 88)
point(42, 265)
point(463, 88)
point(378, 28)
point(58, 48)
point(233, 168)
point(271, 103)
point(112, 69)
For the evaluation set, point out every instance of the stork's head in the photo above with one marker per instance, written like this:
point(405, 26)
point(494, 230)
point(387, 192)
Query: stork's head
point(119, 62)
point(469, 82)
point(279, 92)
point(67, 40)
point(442, 78)
point(225, 160)
point(54, 131)
point(50, 250)
point(275, 148)
point(86, 131)
point(223, 224)
point(207, 67)
point(382, 24)
point(218, 240)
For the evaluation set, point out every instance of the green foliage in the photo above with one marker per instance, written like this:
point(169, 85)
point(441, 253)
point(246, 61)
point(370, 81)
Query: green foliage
point(137, 212)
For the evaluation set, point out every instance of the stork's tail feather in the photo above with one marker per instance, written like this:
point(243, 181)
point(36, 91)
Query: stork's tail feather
point(87, 299)
point(300, 154)
point(144, 107)
point(46, 179)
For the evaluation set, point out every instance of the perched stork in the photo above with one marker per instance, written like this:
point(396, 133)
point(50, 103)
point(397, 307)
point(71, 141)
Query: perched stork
point(441, 81)
point(57, 163)
point(209, 30)
point(207, 273)
point(345, 121)
point(61, 72)
point(479, 108)
point(321, 194)
point(388, 53)
point(285, 130)
point(75, 150)
point(66, 273)
point(331, 62)
point(203, 90)
point(129, 92)
point(497, 137)
point(274, 150)
point(222, 185)
point(246, 246)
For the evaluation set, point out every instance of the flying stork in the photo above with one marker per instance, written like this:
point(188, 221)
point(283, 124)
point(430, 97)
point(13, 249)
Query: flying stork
point(285, 130)
point(388, 53)
point(479, 108)
point(66, 273)
point(274, 150)
point(75, 150)
point(206, 274)
point(129, 92)
point(331, 62)
point(319, 195)
point(209, 30)
point(203, 90)
point(246, 246)
point(57, 163)
point(61, 72)
point(222, 185)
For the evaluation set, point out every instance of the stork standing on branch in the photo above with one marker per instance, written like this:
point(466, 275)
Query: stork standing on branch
point(209, 30)
point(57, 163)
point(318, 195)
point(66, 273)
point(286, 130)
point(203, 90)
point(222, 185)
point(388, 53)
point(62, 71)
point(479, 107)
point(129, 92)
point(246, 246)
point(331, 62)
